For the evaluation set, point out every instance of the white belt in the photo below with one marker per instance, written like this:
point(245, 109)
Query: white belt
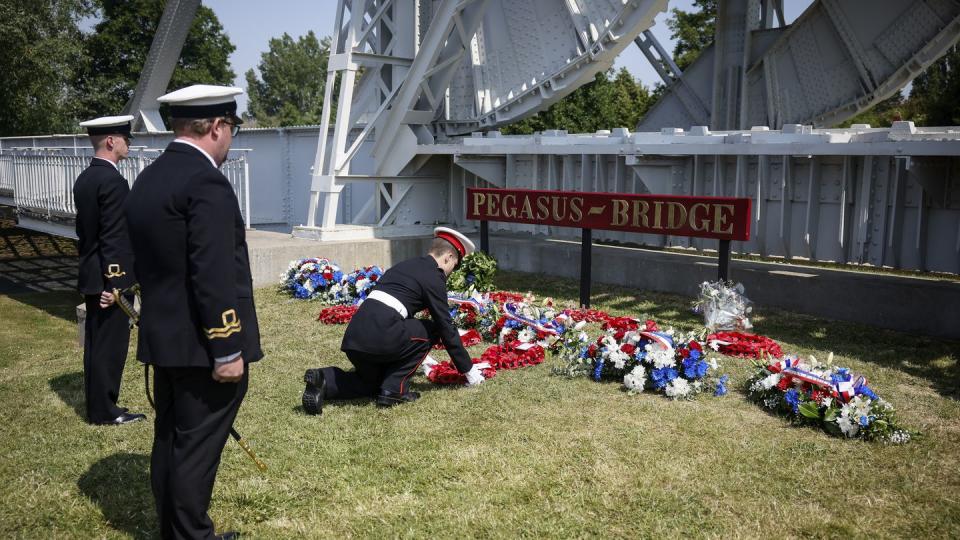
point(386, 298)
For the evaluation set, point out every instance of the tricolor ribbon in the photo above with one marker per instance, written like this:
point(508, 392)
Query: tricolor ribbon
point(509, 311)
point(477, 303)
point(661, 339)
point(842, 390)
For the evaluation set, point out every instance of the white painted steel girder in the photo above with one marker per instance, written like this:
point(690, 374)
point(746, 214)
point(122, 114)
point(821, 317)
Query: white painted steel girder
point(161, 60)
point(838, 59)
point(883, 197)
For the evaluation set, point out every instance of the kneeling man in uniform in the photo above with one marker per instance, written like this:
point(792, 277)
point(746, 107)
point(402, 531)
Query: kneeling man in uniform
point(385, 343)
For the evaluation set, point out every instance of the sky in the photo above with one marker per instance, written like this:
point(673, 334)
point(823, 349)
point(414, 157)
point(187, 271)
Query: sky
point(250, 28)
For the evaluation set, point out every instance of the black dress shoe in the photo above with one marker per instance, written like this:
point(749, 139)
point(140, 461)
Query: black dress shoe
point(314, 392)
point(389, 399)
point(124, 418)
point(230, 535)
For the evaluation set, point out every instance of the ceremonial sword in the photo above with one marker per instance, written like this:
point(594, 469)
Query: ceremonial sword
point(131, 312)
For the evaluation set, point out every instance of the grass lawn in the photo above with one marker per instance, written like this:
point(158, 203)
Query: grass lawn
point(525, 454)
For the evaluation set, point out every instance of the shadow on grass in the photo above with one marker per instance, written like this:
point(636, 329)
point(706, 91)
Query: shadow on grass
point(120, 486)
point(69, 387)
point(60, 304)
point(932, 359)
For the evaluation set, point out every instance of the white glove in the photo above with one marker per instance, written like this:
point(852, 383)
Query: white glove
point(427, 365)
point(474, 376)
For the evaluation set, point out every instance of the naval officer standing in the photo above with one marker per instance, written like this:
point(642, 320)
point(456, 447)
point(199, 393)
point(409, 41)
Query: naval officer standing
point(106, 263)
point(198, 324)
point(385, 343)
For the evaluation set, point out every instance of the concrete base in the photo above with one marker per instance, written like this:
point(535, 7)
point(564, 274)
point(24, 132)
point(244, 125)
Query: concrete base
point(343, 233)
point(901, 303)
point(271, 253)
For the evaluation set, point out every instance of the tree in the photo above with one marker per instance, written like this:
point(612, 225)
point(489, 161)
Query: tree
point(935, 96)
point(294, 79)
point(119, 45)
point(605, 103)
point(40, 53)
point(693, 31)
point(882, 114)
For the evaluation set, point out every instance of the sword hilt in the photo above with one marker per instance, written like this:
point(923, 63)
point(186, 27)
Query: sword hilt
point(125, 304)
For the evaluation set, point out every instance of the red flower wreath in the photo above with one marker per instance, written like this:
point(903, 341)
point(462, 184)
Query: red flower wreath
point(445, 373)
point(469, 338)
point(508, 356)
point(589, 315)
point(336, 314)
point(502, 297)
point(745, 345)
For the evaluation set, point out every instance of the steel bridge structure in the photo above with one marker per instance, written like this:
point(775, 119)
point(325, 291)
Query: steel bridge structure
point(425, 84)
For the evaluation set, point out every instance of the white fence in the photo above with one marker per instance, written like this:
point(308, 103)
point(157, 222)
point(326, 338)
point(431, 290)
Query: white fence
point(42, 179)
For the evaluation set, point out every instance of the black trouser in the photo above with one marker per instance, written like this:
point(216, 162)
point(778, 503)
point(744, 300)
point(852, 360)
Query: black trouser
point(194, 416)
point(106, 337)
point(375, 373)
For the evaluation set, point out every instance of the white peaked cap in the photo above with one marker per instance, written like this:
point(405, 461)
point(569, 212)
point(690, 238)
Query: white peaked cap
point(107, 121)
point(201, 94)
point(463, 244)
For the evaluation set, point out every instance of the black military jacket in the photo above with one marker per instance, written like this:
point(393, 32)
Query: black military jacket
point(106, 258)
point(417, 283)
point(191, 258)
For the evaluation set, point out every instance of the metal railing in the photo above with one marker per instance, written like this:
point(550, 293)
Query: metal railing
point(42, 179)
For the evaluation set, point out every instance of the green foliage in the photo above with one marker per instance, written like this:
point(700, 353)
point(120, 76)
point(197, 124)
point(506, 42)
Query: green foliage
point(475, 273)
point(293, 82)
point(935, 95)
point(119, 45)
point(40, 52)
point(882, 114)
point(693, 31)
point(611, 100)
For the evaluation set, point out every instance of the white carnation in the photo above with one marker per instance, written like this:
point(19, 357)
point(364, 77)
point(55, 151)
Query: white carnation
point(770, 381)
point(661, 358)
point(619, 358)
point(678, 388)
point(635, 379)
point(526, 335)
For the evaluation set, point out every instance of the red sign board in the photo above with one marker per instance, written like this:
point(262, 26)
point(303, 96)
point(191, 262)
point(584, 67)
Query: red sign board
point(724, 218)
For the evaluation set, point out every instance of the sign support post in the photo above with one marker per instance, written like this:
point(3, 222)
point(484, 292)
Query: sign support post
point(485, 236)
point(586, 264)
point(723, 268)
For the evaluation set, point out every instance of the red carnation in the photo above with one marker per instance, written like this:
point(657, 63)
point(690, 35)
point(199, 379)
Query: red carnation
point(628, 348)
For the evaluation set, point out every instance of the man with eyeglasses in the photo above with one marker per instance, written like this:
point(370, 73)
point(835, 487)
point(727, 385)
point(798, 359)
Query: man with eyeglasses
point(106, 263)
point(385, 343)
point(198, 323)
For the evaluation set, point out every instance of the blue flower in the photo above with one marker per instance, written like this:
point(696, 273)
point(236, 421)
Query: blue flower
point(695, 354)
point(301, 292)
point(337, 276)
point(597, 368)
point(662, 376)
point(694, 369)
point(793, 398)
point(864, 421)
point(866, 391)
point(722, 386)
point(471, 278)
point(583, 352)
